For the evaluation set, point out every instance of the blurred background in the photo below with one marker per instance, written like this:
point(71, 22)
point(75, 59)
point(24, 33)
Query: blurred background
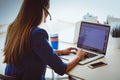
point(68, 10)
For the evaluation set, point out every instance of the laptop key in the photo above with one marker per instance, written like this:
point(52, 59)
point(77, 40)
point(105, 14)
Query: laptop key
point(90, 55)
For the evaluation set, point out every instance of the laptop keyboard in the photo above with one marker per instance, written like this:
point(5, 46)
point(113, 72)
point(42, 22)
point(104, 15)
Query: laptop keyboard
point(90, 55)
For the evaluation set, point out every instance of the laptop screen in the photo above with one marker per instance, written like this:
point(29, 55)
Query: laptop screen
point(93, 37)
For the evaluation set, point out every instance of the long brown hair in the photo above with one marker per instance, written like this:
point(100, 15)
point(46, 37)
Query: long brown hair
point(18, 34)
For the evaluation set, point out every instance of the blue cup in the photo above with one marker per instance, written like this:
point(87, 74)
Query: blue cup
point(54, 41)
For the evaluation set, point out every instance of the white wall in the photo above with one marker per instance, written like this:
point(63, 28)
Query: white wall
point(75, 9)
point(72, 10)
point(9, 10)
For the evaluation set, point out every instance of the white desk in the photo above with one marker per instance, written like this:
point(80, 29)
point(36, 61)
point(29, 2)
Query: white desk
point(109, 72)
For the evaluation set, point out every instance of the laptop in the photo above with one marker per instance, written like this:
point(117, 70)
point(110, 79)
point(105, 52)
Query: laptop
point(93, 39)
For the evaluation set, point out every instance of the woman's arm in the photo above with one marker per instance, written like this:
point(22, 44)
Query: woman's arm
point(79, 56)
point(66, 51)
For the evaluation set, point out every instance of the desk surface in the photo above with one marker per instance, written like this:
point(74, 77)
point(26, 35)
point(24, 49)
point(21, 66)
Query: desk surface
point(109, 72)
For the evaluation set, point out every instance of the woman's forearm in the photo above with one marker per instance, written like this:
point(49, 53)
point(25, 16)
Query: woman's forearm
point(59, 52)
point(73, 63)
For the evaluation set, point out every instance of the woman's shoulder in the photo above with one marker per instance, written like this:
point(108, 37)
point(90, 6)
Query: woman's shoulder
point(39, 31)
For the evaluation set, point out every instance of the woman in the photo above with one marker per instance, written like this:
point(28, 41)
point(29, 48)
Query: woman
point(27, 50)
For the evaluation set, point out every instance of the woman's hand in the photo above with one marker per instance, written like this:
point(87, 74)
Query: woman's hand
point(67, 51)
point(81, 54)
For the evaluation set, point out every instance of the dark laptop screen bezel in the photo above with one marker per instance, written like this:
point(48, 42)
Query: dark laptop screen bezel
point(91, 48)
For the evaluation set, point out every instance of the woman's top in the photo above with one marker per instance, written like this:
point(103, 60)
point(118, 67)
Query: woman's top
point(32, 65)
